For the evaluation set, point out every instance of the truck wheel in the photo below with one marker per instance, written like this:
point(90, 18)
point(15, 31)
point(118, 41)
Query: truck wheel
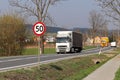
point(58, 53)
point(72, 50)
point(80, 49)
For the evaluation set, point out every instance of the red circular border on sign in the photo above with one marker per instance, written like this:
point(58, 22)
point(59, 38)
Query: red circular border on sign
point(43, 26)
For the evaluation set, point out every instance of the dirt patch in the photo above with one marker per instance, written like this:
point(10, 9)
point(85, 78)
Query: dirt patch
point(17, 77)
point(109, 55)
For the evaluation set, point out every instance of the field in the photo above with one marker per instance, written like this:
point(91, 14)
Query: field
point(34, 51)
point(71, 69)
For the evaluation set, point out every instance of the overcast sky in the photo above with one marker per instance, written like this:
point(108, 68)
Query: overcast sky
point(73, 13)
point(70, 13)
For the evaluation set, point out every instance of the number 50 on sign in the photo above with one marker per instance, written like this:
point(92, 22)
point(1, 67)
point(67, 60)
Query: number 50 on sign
point(39, 28)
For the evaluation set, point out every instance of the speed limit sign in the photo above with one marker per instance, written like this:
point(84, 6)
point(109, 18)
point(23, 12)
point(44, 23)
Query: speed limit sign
point(39, 28)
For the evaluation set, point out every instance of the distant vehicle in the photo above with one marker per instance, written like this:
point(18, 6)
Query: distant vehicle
point(113, 44)
point(68, 41)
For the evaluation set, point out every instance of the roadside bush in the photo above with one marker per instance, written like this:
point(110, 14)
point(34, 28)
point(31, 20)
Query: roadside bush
point(12, 35)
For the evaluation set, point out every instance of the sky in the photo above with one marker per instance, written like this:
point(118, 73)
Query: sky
point(73, 13)
point(67, 13)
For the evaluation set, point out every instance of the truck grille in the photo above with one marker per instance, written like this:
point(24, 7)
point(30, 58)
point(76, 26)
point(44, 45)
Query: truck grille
point(62, 48)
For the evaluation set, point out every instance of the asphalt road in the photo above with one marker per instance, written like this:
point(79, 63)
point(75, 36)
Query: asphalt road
point(9, 63)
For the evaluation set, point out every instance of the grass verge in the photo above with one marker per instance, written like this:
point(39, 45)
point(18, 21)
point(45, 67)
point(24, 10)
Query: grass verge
point(72, 69)
point(117, 75)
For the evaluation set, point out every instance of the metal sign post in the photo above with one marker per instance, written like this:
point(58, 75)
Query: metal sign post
point(39, 29)
point(39, 51)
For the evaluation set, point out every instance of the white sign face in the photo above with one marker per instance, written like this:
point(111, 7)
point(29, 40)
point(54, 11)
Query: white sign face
point(39, 28)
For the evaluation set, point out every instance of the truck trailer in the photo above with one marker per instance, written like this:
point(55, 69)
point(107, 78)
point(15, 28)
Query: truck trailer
point(68, 41)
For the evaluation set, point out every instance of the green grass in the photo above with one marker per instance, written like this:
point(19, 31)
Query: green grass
point(34, 51)
point(71, 69)
point(50, 50)
point(89, 47)
point(83, 73)
point(117, 75)
point(30, 51)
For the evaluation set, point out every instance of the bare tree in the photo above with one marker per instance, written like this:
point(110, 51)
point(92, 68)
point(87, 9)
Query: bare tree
point(103, 30)
point(111, 8)
point(97, 23)
point(37, 8)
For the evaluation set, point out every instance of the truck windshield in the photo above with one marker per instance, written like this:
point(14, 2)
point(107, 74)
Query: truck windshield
point(62, 40)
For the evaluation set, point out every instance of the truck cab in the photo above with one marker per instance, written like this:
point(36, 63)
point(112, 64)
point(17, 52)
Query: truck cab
point(63, 42)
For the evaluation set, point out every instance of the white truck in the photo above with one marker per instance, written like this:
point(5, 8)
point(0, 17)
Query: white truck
point(113, 44)
point(68, 41)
